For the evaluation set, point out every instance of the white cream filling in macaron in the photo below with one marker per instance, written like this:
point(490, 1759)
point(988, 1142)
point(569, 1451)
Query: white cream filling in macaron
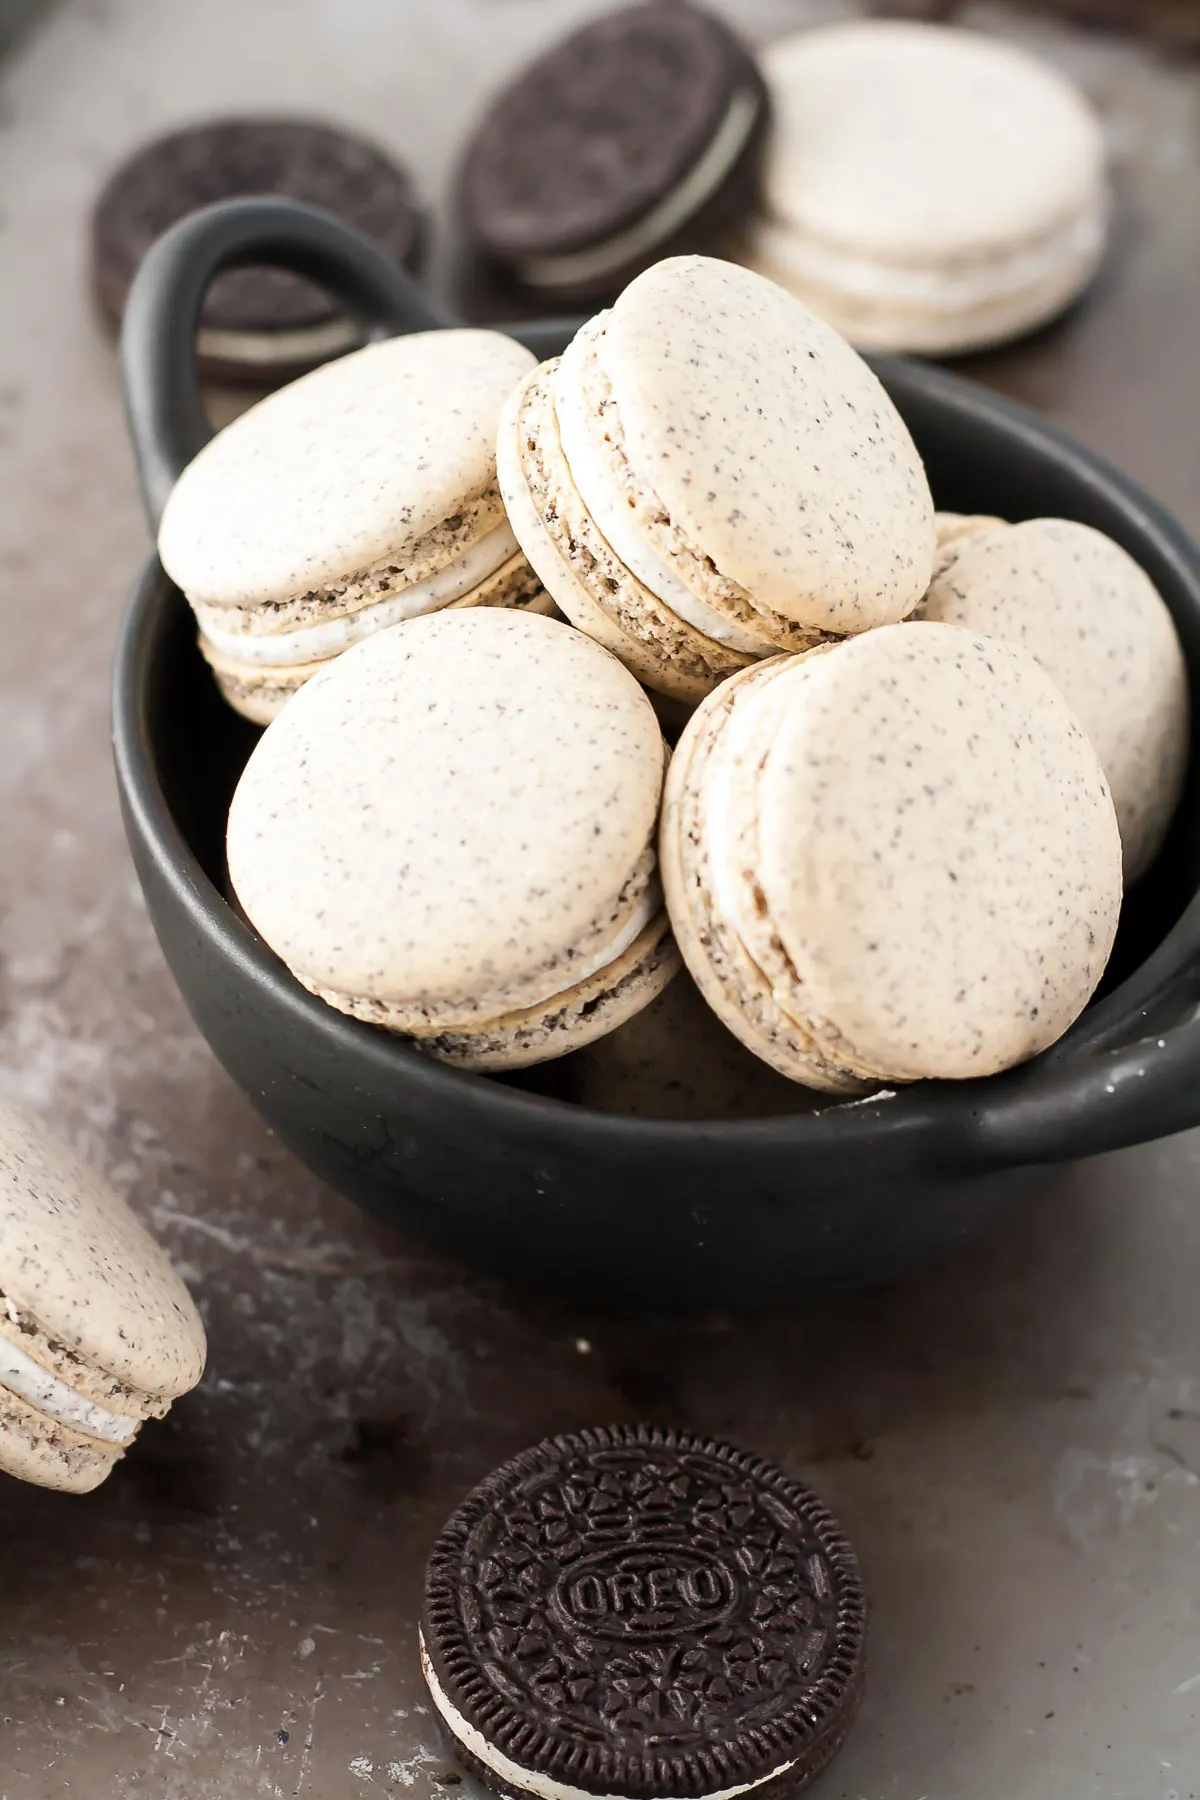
point(1010, 271)
point(530, 1780)
point(579, 430)
point(329, 637)
point(662, 221)
point(47, 1394)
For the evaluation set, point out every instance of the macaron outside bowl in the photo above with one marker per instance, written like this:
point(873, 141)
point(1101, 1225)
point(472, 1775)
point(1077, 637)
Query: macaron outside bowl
point(631, 1211)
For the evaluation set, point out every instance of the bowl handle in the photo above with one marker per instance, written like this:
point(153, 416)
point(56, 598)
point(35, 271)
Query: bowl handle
point(1100, 1100)
point(167, 420)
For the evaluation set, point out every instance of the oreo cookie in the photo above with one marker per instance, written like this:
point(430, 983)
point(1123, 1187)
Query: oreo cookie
point(638, 137)
point(642, 1613)
point(259, 324)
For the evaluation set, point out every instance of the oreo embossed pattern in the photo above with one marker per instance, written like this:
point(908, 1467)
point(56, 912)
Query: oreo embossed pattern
point(640, 1612)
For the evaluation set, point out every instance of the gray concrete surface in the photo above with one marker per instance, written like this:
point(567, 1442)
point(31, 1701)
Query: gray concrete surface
point(1014, 1443)
point(17, 16)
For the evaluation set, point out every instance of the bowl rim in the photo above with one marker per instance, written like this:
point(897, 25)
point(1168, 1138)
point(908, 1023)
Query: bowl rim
point(951, 1116)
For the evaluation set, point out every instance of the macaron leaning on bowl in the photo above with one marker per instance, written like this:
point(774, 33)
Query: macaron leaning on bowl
point(363, 494)
point(892, 859)
point(451, 833)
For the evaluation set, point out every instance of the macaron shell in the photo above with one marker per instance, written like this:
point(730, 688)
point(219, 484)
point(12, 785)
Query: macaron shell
point(260, 691)
point(352, 464)
point(734, 986)
point(876, 310)
point(47, 1454)
point(1097, 625)
point(261, 695)
point(771, 444)
point(675, 1060)
point(922, 144)
point(447, 808)
point(578, 1017)
point(951, 527)
point(937, 852)
point(77, 1261)
point(633, 522)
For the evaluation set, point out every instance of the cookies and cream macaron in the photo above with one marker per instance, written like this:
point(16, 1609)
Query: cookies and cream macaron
point(451, 833)
point(927, 188)
point(1097, 624)
point(892, 858)
point(710, 474)
point(362, 495)
point(97, 1332)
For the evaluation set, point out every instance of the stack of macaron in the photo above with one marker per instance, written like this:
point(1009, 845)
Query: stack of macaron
point(927, 189)
point(920, 752)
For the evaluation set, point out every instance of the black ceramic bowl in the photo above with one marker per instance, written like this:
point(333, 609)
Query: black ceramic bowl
point(626, 1210)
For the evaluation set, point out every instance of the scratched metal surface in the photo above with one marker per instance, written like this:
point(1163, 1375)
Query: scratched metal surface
point(1014, 1444)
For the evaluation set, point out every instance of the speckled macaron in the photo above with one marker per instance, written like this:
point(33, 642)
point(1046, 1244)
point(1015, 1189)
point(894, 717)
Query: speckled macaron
point(950, 528)
point(97, 1332)
point(360, 496)
point(451, 833)
point(892, 858)
point(709, 474)
point(1096, 623)
point(927, 188)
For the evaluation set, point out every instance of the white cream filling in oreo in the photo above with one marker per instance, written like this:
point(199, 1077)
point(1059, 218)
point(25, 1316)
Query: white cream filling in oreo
point(47, 1394)
point(530, 1780)
point(329, 637)
point(270, 349)
point(695, 190)
point(578, 429)
point(1009, 272)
